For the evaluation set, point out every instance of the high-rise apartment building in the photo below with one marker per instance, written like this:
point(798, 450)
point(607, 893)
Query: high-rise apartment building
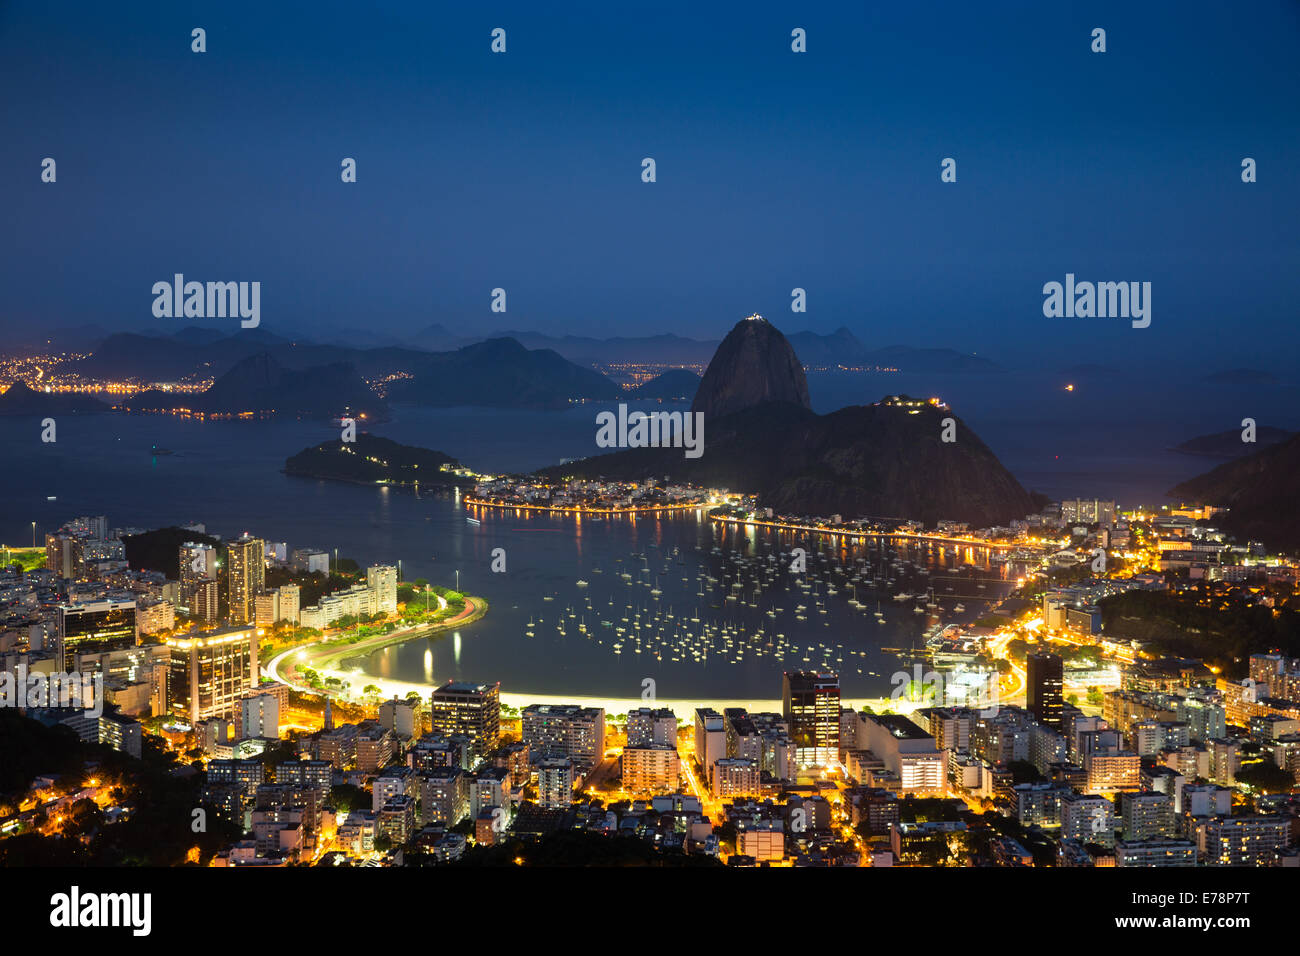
point(647, 725)
point(246, 577)
point(382, 579)
point(197, 562)
point(567, 730)
point(259, 716)
point(555, 782)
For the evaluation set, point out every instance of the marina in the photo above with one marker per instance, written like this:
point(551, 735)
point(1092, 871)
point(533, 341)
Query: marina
point(699, 604)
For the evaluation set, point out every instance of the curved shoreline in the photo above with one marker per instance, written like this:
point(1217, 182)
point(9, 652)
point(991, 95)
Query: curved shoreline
point(323, 656)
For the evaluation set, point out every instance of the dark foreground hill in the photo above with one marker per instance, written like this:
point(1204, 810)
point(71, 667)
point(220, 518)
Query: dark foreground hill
point(19, 399)
point(159, 549)
point(1261, 490)
point(885, 460)
point(373, 459)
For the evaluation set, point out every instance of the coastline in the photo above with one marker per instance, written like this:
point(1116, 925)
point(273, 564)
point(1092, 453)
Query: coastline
point(320, 656)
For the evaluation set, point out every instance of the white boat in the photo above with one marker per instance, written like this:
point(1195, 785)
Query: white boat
point(581, 583)
point(473, 521)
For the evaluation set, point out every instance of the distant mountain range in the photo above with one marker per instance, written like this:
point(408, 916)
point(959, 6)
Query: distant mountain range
point(674, 385)
point(261, 385)
point(814, 349)
point(1261, 491)
point(525, 370)
point(1229, 444)
point(1242, 376)
point(500, 372)
point(496, 372)
point(886, 460)
point(208, 351)
point(664, 349)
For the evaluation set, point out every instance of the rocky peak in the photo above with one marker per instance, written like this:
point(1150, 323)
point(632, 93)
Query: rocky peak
point(754, 364)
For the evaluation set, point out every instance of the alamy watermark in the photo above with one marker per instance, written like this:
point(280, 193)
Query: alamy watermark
point(211, 300)
point(20, 689)
point(74, 909)
point(979, 693)
point(1102, 300)
point(651, 430)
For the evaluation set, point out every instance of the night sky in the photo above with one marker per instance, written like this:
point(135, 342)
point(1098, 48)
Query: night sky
point(775, 169)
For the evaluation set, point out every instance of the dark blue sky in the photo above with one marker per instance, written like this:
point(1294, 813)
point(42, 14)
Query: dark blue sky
point(775, 170)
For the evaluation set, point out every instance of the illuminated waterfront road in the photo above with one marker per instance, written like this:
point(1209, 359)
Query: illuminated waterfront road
point(847, 533)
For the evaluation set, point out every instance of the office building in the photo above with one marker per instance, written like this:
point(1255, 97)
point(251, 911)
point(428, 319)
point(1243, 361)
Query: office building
point(811, 706)
point(93, 627)
point(906, 750)
point(209, 673)
point(1044, 682)
point(473, 710)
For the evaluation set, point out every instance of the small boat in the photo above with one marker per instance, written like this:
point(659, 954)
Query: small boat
point(581, 583)
point(474, 521)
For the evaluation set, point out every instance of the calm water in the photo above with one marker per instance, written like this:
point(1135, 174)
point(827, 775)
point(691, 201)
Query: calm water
point(1107, 441)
